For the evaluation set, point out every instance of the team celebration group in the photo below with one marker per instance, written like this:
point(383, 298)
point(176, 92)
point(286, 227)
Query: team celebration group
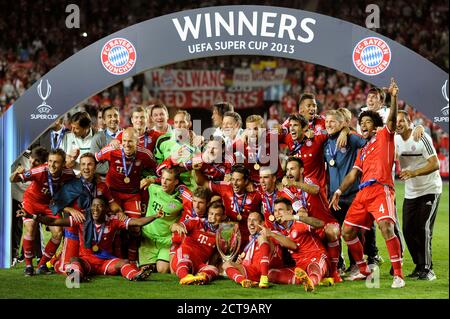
point(296, 192)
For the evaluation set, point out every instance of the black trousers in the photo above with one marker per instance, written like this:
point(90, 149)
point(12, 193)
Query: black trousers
point(419, 215)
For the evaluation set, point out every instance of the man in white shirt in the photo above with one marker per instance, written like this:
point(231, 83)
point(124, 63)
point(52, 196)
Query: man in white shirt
point(78, 141)
point(423, 186)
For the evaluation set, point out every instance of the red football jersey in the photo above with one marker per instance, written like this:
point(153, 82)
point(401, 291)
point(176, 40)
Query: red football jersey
point(308, 243)
point(200, 238)
point(143, 159)
point(253, 254)
point(317, 205)
point(268, 203)
point(376, 159)
point(252, 204)
point(263, 155)
point(107, 231)
point(186, 197)
point(39, 190)
point(311, 153)
point(317, 125)
point(146, 140)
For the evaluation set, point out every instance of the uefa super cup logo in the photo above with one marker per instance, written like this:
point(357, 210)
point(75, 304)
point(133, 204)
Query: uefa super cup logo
point(228, 240)
point(44, 107)
point(444, 110)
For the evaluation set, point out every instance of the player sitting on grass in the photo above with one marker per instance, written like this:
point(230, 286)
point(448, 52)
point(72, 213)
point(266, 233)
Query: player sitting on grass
point(193, 254)
point(258, 256)
point(305, 246)
point(96, 242)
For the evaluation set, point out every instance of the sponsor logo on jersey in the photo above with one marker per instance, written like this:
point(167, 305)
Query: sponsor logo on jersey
point(371, 56)
point(118, 56)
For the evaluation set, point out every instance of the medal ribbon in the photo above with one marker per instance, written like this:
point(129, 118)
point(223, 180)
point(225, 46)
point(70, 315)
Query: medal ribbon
point(60, 137)
point(297, 146)
point(98, 236)
point(145, 139)
point(91, 187)
point(126, 171)
point(251, 247)
point(333, 154)
point(207, 225)
point(364, 150)
point(269, 205)
point(281, 227)
point(239, 209)
point(50, 183)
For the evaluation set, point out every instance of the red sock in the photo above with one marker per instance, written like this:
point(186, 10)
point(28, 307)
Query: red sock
point(395, 255)
point(357, 251)
point(49, 251)
point(334, 250)
point(264, 262)
point(282, 276)
point(128, 271)
point(182, 269)
point(27, 244)
point(314, 273)
point(210, 271)
point(234, 274)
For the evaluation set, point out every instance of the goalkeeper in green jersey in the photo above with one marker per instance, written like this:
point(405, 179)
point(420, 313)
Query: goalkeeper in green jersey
point(179, 145)
point(163, 197)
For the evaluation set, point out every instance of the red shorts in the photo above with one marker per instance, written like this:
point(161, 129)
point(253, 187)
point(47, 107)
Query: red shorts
point(320, 232)
point(252, 272)
point(375, 202)
point(130, 203)
point(186, 254)
point(97, 266)
point(36, 208)
point(306, 262)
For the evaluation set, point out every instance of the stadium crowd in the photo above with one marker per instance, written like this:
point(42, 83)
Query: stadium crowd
point(27, 55)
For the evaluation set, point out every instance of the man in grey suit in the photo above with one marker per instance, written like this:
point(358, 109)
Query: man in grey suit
point(110, 116)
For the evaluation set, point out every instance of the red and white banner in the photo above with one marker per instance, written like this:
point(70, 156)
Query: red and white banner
point(185, 80)
point(258, 78)
point(205, 99)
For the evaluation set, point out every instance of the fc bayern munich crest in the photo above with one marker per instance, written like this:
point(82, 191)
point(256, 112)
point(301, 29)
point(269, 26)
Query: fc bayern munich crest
point(118, 56)
point(371, 56)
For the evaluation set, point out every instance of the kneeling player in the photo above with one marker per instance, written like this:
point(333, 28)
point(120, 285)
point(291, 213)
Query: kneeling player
point(96, 256)
point(258, 256)
point(305, 246)
point(198, 246)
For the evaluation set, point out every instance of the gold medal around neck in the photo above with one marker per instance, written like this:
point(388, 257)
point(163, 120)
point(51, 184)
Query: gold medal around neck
point(95, 248)
point(256, 166)
point(332, 162)
point(242, 255)
point(272, 218)
point(239, 217)
point(126, 180)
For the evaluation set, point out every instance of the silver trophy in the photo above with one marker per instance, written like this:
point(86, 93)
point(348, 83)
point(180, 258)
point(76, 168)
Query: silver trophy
point(228, 240)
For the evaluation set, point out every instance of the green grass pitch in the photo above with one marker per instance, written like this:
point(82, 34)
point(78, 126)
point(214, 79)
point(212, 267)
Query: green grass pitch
point(13, 284)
